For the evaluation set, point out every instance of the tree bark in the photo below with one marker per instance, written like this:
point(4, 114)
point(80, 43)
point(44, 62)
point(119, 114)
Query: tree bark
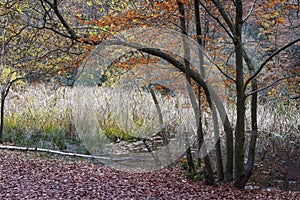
point(4, 93)
point(240, 104)
point(209, 177)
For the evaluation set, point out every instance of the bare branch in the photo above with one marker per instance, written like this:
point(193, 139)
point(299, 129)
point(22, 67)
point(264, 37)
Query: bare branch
point(224, 15)
point(217, 19)
point(71, 33)
point(270, 58)
point(219, 68)
point(250, 11)
point(54, 152)
point(270, 85)
point(54, 7)
point(15, 35)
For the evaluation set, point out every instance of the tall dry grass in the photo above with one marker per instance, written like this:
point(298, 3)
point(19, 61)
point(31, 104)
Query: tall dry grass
point(54, 114)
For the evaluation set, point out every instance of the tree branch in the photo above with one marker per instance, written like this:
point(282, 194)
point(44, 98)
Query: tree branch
point(224, 15)
point(54, 7)
point(71, 33)
point(217, 19)
point(250, 11)
point(219, 68)
point(270, 85)
point(268, 59)
point(54, 152)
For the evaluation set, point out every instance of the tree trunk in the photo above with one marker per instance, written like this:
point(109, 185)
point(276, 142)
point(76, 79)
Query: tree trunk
point(2, 115)
point(163, 133)
point(254, 131)
point(183, 26)
point(4, 93)
point(219, 161)
point(240, 104)
point(209, 177)
point(227, 126)
point(254, 128)
point(229, 150)
point(189, 157)
point(220, 171)
point(202, 150)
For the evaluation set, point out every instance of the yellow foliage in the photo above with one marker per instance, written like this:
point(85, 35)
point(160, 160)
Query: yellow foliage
point(8, 75)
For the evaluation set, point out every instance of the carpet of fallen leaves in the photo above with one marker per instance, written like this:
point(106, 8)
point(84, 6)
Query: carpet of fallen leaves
point(32, 176)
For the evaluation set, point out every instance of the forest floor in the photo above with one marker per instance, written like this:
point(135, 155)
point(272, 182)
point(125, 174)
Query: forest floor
point(25, 175)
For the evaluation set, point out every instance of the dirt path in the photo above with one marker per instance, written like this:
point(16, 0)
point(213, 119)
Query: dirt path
point(33, 176)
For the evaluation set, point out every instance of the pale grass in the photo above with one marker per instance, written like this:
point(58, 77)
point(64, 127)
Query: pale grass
point(92, 111)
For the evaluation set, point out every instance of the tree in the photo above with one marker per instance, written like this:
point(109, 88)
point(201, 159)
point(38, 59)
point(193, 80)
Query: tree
point(28, 54)
point(226, 18)
point(234, 31)
point(9, 74)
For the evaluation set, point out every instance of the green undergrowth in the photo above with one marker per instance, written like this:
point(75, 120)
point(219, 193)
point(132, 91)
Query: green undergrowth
point(41, 131)
point(35, 131)
point(115, 134)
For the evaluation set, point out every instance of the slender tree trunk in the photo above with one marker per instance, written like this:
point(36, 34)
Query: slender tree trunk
point(209, 178)
point(254, 131)
point(240, 104)
point(254, 127)
point(3, 87)
point(183, 26)
point(227, 126)
point(199, 41)
point(2, 116)
point(198, 35)
point(158, 109)
point(202, 150)
point(189, 154)
point(220, 171)
point(163, 133)
point(4, 93)
point(200, 124)
point(219, 161)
